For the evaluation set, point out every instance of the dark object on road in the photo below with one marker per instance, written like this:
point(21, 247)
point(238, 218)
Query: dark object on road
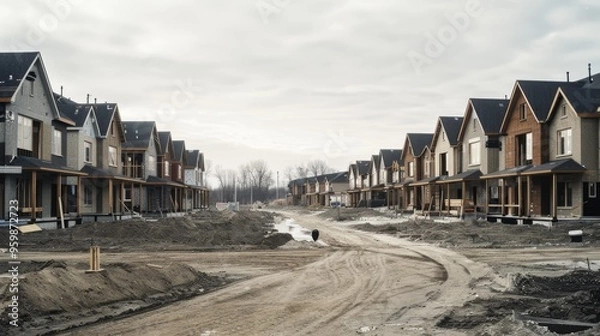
point(315, 234)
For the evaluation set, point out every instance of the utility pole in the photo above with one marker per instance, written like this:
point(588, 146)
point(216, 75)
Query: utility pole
point(277, 186)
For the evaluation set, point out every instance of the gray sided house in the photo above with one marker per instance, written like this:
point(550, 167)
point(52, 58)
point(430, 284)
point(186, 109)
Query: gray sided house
point(573, 131)
point(362, 181)
point(336, 188)
point(194, 178)
point(177, 169)
point(481, 148)
point(376, 195)
point(163, 190)
point(447, 151)
point(33, 141)
point(104, 185)
point(140, 159)
point(390, 174)
point(413, 156)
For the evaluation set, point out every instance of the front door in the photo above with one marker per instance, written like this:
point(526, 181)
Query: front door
point(591, 201)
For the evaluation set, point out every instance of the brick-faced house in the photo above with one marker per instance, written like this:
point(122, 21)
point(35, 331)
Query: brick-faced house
point(413, 154)
point(33, 149)
point(389, 174)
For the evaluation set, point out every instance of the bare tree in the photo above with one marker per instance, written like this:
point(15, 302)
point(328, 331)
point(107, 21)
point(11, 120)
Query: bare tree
point(319, 167)
point(226, 179)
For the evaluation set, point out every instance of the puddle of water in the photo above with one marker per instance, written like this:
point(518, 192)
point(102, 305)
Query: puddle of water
point(298, 232)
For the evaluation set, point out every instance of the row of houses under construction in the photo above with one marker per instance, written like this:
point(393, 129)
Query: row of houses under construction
point(534, 156)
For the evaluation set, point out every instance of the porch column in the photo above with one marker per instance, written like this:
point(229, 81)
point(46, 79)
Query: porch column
point(502, 195)
point(519, 196)
point(33, 195)
point(528, 204)
point(110, 196)
point(59, 207)
point(79, 192)
point(448, 198)
point(487, 197)
point(554, 182)
point(464, 195)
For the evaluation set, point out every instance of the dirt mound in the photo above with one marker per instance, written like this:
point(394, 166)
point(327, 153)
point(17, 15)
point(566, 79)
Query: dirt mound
point(349, 214)
point(485, 234)
point(275, 240)
point(574, 296)
point(205, 230)
point(60, 296)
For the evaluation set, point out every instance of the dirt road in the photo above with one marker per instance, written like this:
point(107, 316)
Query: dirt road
point(361, 283)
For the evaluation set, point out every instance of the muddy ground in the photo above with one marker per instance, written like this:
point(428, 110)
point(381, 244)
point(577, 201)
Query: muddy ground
point(153, 263)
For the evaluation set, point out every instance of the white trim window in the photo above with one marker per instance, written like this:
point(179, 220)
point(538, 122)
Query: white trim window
point(25, 133)
point(112, 156)
point(475, 152)
point(592, 192)
point(564, 142)
point(56, 142)
point(529, 147)
point(411, 169)
point(87, 152)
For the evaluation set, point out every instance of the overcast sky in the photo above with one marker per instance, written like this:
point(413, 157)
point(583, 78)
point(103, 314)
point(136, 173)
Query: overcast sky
point(288, 81)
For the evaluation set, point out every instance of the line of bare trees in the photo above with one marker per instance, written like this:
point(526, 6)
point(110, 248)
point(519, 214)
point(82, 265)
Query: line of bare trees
point(251, 182)
point(254, 181)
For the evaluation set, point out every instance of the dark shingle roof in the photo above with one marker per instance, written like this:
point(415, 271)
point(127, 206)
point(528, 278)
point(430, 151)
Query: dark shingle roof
point(374, 160)
point(540, 95)
point(15, 65)
point(78, 113)
point(191, 158)
point(418, 142)
point(390, 155)
point(341, 177)
point(179, 150)
point(582, 99)
point(451, 126)
point(559, 166)
point(163, 138)
point(138, 134)
point(105, 112)
point(362, 167)
point(490, 113)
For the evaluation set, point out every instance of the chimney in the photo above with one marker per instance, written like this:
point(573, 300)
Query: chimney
point(87, 100)
point(95, 100)
point(590, 79)
point(61, 90)
point(568, 77)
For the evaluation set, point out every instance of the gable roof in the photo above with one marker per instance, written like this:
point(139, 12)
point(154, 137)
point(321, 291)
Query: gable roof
point(352, 169)
point(138, 134)
point(13, 70)
point(389, 156)
point(191, 158)
point(179, 150)
point(374, 161)
point(362, 167)
point(490, 115)
point(451, 126)
point(340, 177)
point(78, 113)
point(584, 101)
point(105, 114)
point(418, 142)
point(163, 138)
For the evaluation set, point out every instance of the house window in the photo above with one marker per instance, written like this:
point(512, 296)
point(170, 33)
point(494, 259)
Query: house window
point(87, 155)
point(524, 149)
point(475, 125)
point(563, 111)
point(25, 133)
point(474, 153)
point(88, 195)
point(564, 142)
point(592, 189)
point(112, 129)
point(112, 156)
point(523, 112)
point(443, 164)
point(564, 194)
point(411, 169)
point(166, 168)
point(57, 142)
point(151, 162)
point(179, 172)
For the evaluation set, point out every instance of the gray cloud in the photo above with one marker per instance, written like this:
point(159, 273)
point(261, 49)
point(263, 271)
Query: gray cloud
point(276, 90)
